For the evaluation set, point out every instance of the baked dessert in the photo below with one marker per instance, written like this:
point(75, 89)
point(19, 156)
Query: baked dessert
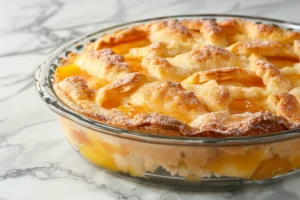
point(187, 78)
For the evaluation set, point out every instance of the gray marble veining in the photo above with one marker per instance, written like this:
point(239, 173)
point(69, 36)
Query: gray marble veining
point(35, 160)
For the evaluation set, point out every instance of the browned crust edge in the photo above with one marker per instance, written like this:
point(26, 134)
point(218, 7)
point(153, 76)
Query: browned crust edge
point(153, 123)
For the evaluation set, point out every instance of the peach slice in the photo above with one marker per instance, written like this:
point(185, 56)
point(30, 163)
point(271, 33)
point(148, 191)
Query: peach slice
point(124, 48)
point(131, 110)
point(236, 165)
point(71, 70)
point(271, 167)
point(244, 105)
point(96, 153)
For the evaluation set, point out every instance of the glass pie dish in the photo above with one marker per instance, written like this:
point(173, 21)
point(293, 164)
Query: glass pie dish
point(176, 162)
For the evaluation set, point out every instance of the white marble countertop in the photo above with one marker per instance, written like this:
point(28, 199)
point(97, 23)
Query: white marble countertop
point(35, 160)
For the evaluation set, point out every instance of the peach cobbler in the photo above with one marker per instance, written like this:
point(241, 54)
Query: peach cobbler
point(187, 78)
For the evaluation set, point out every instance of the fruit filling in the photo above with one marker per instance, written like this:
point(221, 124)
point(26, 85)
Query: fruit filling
point(282, 62)
point(71, 70)
point(131, 110)
point(122, 49)
point(243, 105)
point(271, 167)
point(254, 165)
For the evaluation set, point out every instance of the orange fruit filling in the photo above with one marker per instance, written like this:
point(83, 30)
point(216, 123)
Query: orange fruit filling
point(252, 165)
point(294, 78)
point(282, 62)
point(271, 167)
point(98, 156)
point(124, 48)
point(295, 160)
point(247, 82)
point(71, 70)
point(96, 153)
point(243, 105)
point(240, 165)
point(131, 110)
point(134, 64)
point(79, 137)
point(111, 103)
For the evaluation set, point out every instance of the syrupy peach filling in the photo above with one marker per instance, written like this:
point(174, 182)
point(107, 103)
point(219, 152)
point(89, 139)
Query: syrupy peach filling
point(134, 64)
point(131, 111)
point(92, 149)
point(281, 62)
point(244, 105)
point(254, 81)
point(71, 70)
point(124, 48)
point(271, 167)
point(240, 165)
point(112, 103)
point(295, 160)
point(254, 164)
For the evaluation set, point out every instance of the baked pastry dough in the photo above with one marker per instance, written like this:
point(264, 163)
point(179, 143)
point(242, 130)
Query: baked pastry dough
point(197, 78)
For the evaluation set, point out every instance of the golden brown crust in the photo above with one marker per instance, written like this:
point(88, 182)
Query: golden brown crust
point(206, 58)
point(119, 88)
point(222, 123)
point(297, 47)
point(198, 78)
point(213, 34)
point(104, 64)
point(286, 105)
point(154, 49)
point(121, 36)
point(224, 74)
point(265, 48)
point(274, 80)
point(241, 30)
